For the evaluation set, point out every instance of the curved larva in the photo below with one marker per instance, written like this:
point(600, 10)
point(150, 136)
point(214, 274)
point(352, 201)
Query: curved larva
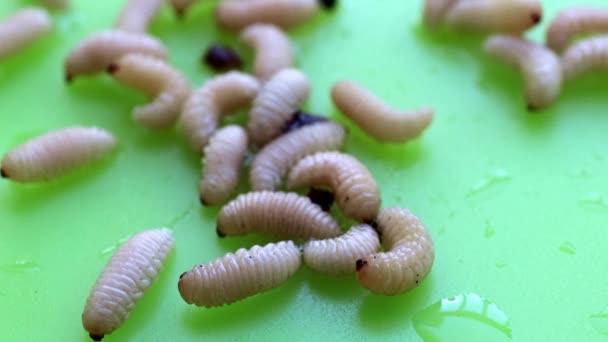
point(96, 52)
point(22, 29)
point(128, 274)
point(238, 14)
point(243, 274)
point(275, 104)
point(288, 215)
point(571, 22)
point(207, 105)
point(377, 118)
point(222, 164)
point(339, 255)
point(540, 66)
point(137, 15)
point(181, 6)
point(585, 56)
point(435, 10)
point(408, 258)
point(273, 51)
point(275, 159)
point(354, 187)
point(59, 4)
point(506, 16)
point(158, 80)
point(56, 153)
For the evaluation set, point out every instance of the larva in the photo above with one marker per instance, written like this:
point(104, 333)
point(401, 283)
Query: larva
point(495, 16)
point(22, 29)
point(275, 105)
point(377, 118)
point(128, 274)
point(243, 274)
point(540, 66)
point(59, 4)
point(158, 80)
point(354, 187)
point(571, 22)
point(585, 56)
point(56, 153)
point(237, 14)
point(222, 164)
point(207, 105)
point(99, 50)
point(181, 6)
point(137, 15)
point(276, 158)
point(287, 215)
point(301, 119)
point(408, 258)
point(435, 10)
point(339, 255)
point(222, 58)
point(273, 51)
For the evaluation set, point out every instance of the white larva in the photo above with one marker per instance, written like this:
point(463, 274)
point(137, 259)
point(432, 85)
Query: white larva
point(338, 256)
point(157, 79)
point(275, 104)
point(377, 118)
point(585, 56)
point(219, 96)
point(273, 51)
point(435, 10)
point(96, 52)
point(540, 67)
point(354, 187)
point(408, 256)
point(137, 15)
point(238, 14)
point(287, 215)
point(495, 16)
point(59, 4)
point(222, 164)
point(275, 159)
point(243, 274)
point(22, 29)
point(574, 21)
point(56, 153)
point(128, 274)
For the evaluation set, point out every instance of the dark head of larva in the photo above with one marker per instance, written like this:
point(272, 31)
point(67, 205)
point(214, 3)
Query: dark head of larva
point(322, 198)
point(360, 264)
point(96, 337)
point(182, 275)
point(536, 17)
point(222, 58)
point(112, 68)
point(301, 119)
point(328, 4)
point(203, 202)
point(219, 233)
point(3, 173)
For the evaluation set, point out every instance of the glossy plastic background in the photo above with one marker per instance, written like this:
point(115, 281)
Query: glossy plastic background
point(517, 203)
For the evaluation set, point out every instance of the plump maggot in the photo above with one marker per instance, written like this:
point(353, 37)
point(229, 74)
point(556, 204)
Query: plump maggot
point(128, 274)
point(22, 29)
point(56, 153)
point(574, 21)
point(245, 273)
point(495, 16)
point(137, 15)
point(585, 56)
point(237, 14)
point(540, 67)
point(157, 79)
point(377, 118)
point(408, 256)
point(273, 51)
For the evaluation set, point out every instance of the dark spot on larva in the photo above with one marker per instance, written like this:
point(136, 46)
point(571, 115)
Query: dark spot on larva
point(222, 58)
point(416, 281)
point(182, 275)
point(96, 337)
point(69, 78)
point(322, 198)
point(220, 233)
point(536, 17)
point(3, 173)
point(250, 257)
point(112, 68)
point(301, 119)
point(328, 4)
point(360, 264)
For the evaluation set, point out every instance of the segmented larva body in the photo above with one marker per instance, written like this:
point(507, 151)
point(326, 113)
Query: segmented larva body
point(338, 256)
point(128, 274)
point(435, 10)
point(585, 56)
point(56, 153)
point(137, 15)
point(499, 16)
point(287, 215)
point(243, 274)
point(275, 159)
point(96, 52)
point(158, 80)
point(181, 6)
point(22, 29)
point(574, 21)
point(377, 118)
point(540, 67)
point(59, 4)
point(222, 164)
point(207, 105)
point(275, 104)
point(273, 51)
point(354, 187)
point(238, 14)
point(408, 258)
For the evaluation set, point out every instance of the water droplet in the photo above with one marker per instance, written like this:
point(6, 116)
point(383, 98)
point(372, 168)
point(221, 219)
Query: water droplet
point(469, 316)
point(489, 231)
point(599, 322)
point(500, 264)
point(110, 249)
point(497, 176)
point(20, 266)
point(593, 199)
point(568, 248)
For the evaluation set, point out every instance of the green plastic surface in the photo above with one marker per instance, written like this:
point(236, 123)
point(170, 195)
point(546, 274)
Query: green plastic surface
point(517, 203)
